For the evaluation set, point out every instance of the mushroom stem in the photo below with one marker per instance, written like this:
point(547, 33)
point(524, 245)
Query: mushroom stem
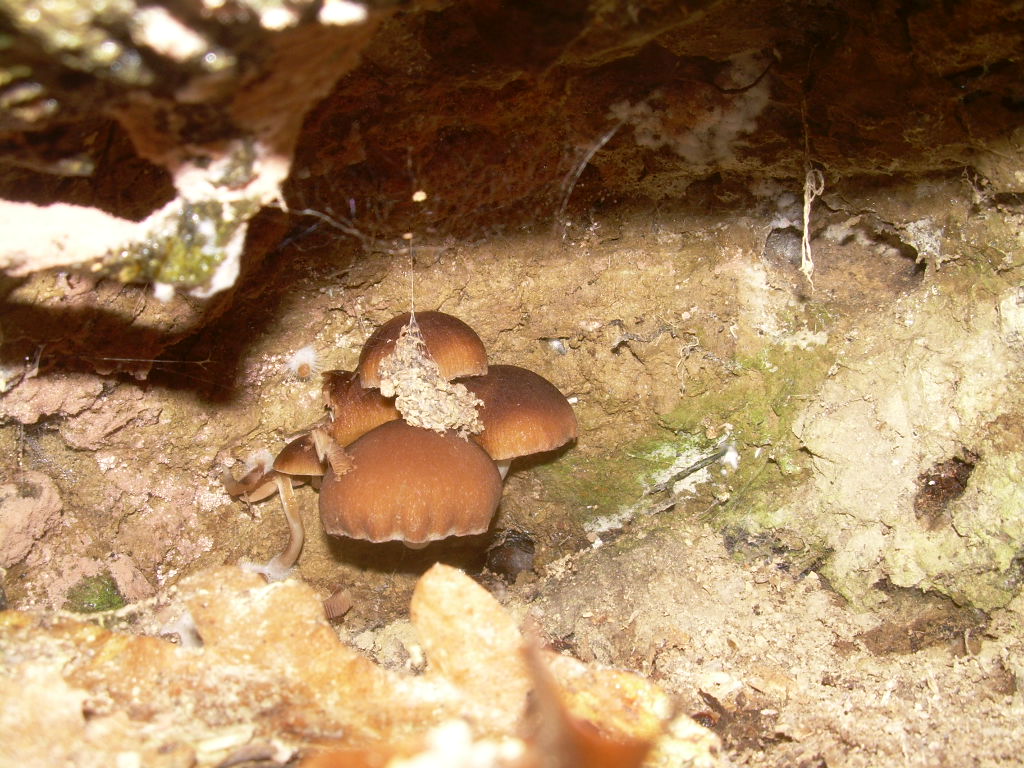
point(503, 465)
point(283, 562)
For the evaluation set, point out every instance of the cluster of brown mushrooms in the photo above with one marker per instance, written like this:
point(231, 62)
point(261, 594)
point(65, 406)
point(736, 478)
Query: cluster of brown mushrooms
point(417, 439)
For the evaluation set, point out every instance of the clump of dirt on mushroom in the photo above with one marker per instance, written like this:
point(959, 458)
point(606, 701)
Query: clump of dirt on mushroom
point(422, 395)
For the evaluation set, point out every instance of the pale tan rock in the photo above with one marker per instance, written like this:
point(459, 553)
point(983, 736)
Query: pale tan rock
point(131, 582)
point(270, 673)
point(34, 694)
point(621, 702)
point(93, 429)
point(42, 237)
point(471, 641)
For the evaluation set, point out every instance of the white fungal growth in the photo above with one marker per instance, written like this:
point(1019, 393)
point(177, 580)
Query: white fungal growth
point(261, 459)
point(304, 363)
point(342, 13)
point(163, 292)
point(422, 395)
point(708, 136)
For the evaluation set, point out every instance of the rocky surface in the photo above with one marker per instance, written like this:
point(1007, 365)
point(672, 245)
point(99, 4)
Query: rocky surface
point(237, 687)
point(772, 252)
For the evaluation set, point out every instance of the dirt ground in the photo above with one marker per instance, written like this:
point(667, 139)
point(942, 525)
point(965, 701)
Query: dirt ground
point(840, 586)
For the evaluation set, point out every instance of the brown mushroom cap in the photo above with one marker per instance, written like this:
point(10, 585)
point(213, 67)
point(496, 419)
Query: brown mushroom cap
point(356, 410)
point(299, 458)
point(412, 485)
point(453, 345)
point(522, 413)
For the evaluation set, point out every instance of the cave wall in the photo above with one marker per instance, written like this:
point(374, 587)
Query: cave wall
point(782, 236)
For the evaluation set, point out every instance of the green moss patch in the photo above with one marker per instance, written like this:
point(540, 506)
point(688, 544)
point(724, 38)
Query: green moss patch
point(598, 490)
point(752, 411)
point(94, 594)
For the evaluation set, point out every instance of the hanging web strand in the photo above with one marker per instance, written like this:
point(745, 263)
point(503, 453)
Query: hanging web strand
point(569, 184)
point(409, 374)
point(422, 395)
point(418, 196)
point(412, 282)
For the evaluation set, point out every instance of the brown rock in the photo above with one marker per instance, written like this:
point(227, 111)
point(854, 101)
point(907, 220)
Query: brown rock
point(29, 506)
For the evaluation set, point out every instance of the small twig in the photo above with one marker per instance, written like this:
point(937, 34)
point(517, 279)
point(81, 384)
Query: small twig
point(664, 485)
point(814, 185)
point(327, 219)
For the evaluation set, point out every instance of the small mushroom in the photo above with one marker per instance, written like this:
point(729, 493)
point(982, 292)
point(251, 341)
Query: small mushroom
point(354, 410)
point(256, 484)
point(452, 344)
point(309, 456)
point(304, 363)
point(279, 566)
point(338, 604)
point(261, 483)
point(522, 413)
point(300, 458)
point(330, 452)
point(411, 485)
